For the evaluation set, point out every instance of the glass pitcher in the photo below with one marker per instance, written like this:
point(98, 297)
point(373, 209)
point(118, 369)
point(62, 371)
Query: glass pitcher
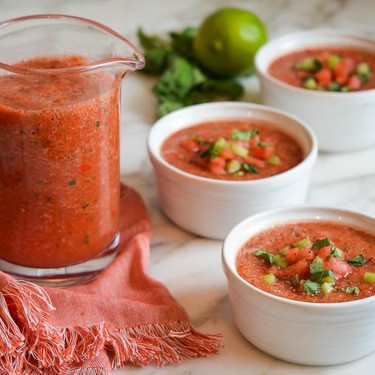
point(60, 80)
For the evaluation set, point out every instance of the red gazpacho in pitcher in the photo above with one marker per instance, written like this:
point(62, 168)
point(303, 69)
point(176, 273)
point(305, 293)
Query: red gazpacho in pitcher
point(59, 164)
point(232, 150)
point(339, 69)
point(310, 262)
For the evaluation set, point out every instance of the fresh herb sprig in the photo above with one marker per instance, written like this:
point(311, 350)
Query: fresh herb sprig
point(181, 81)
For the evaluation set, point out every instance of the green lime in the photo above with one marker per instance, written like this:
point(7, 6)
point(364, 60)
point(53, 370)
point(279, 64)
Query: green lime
point(227, 40)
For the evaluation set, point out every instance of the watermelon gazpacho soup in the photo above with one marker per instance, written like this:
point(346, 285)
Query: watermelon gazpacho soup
point(232, 150)
point(310, 262)
point(59, 164)
point(338, 69)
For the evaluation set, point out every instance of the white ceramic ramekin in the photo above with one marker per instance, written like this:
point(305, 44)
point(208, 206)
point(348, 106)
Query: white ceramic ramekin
point(342, 121)
point(209, 207)
point(300, 332)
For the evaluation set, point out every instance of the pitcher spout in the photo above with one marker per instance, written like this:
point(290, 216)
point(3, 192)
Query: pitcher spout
point(61, 35)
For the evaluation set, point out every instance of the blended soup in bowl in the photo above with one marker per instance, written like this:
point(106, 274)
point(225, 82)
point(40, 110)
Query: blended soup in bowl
point(336, 69)
point(232, 150)
point(324, 262)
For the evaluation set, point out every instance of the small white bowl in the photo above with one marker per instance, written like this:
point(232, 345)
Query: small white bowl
point(210, 207)
point(342, 121)
point(300, 332)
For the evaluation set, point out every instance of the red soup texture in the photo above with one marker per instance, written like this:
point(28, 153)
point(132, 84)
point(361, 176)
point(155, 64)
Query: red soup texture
point(59, 175)
point(310, 262)
point(339, 69)
point(232, 150)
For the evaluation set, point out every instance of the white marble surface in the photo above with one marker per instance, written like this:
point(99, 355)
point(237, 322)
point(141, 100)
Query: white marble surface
point(190, 266)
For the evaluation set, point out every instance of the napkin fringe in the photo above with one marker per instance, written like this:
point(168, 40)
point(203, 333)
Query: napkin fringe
point(163, 344)
point(30, 345)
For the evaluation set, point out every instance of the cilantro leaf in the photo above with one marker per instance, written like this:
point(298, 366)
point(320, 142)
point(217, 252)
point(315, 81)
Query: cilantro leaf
point(182, 82)
point(318, 244)
point(176, 82)
point(359, 260)
point(182, 42)
point(265, 254)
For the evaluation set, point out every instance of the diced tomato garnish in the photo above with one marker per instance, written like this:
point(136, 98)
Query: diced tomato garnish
point(228, 154)
point(324, 252)
point(342, 71)
point(255, 161)
point(217, 166)
point(339, 267)
point(354, 83)
point(295, 254)
point(300, 268)
point(323, 77)
point(262, 152)
point(190, 145)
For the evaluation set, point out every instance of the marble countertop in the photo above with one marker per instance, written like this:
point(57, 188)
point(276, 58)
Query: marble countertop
point(190, 266)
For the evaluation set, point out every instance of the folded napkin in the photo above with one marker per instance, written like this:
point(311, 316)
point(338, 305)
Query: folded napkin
point(123, 316)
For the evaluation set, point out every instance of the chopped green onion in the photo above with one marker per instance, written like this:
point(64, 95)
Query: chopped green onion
point(215, 149)
point(274, 160)
point(238, 174)
point(269, 279)
point(310, 83)
point(327, 276)
point(310, 287)
point(219, 145)
point(332, 61)
point(233, 166)
point(363, 68)
point(327, 288)
point(351, 290)
point(369, 277)
point(318, 244)
point(359, 260)
point(239, 150)
point(280, 261)
point(265, 254)
point(310, 64)
point(302, 243)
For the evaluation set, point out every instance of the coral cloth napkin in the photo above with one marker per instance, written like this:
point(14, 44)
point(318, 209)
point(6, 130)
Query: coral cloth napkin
point(123, 316)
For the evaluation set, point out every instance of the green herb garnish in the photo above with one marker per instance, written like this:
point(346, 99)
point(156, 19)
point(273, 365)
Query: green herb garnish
point(265, 254)
point(302, 243)
point(310, 287)
point(181, 81)
point(250, 168)
point(351, 290)
point(359, 260)
point(244, 135)
point(318, 244)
